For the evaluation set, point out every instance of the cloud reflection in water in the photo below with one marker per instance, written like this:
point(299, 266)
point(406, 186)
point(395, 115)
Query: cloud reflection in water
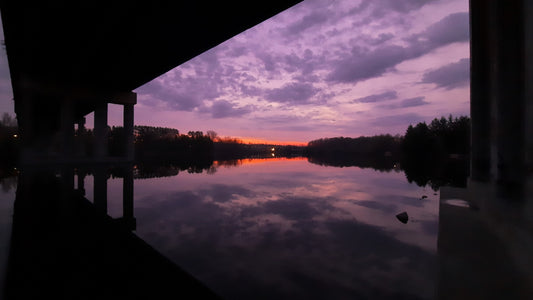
point(293, 230)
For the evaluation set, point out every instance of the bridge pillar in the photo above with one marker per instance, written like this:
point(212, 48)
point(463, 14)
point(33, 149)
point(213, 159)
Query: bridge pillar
point(127, 198)
point(128, 131)
point(500, 91)
point(100, 131)
point(67, 128)
point(80, 138)
point(81, 181)
point(25, 125)
point(100, 189)
point(480, 94)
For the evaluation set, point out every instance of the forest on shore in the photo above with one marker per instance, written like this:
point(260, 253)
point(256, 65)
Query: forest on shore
point(437, 152)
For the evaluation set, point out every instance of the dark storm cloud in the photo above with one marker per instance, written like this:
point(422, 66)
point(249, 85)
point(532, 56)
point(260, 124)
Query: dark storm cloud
point(450, 76)
point(359, 64)
point(410, 102)
point(292, 93)
point(225, 109)
point(389, 95)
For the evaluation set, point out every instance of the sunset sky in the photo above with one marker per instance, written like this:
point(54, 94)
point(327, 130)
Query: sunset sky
point(319, 69)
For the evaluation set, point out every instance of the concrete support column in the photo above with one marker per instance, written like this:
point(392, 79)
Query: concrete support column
point(100, 189)
point(67, 129)
point(81, 181)
point(498, 90)
point(100, 131)
point(128, 131)
point(480, 93)
point(127, 201)
point(26, 132)
point(80, 140)
point(528, 64)
point(509, 28)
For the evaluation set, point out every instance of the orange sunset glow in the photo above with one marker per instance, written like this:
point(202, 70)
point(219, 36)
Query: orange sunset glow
point(270, 142)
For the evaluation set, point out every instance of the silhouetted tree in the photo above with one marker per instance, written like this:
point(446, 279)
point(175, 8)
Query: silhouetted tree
point(9, 140)
point(437, 154)
point(212, 135)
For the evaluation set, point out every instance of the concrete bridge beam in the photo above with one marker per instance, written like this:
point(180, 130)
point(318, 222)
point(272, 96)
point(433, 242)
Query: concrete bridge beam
point(128, 130)
point(100, 131)
point(67, 128)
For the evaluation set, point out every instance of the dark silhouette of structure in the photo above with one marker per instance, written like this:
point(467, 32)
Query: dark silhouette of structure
point(69, 59)
point(65, 247)
point(485, 230)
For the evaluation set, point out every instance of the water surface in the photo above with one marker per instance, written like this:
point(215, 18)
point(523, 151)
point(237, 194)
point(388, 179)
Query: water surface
point(289, 229)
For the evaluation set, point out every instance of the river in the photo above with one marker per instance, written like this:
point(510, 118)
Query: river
point(277, 228)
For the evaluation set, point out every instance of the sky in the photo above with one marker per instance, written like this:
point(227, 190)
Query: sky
point(319, 69)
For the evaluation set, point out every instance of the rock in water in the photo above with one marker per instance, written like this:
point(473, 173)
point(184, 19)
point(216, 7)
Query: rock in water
point(403, 217)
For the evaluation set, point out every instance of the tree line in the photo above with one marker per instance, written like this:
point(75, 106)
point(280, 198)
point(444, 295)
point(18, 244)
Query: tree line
point(434, 154)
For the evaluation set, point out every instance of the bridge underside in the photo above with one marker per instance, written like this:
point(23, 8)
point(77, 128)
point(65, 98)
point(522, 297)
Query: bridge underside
point(70, 58)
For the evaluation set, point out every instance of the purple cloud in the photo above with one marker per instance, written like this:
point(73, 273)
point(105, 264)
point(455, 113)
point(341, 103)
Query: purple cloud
point(269, 62)
point(308, 21)
point(450, 76)
point(410, 102)
point(377, 97)
point(292, 93)
point(225, 109)
point(453, 28)
point(175, 99)
point(374, 41)
point(359, 65)
point(379, 8)
point(416, 101)
point(397, 120)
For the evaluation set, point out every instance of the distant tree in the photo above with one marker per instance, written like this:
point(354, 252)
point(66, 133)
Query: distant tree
point(195, 134)
point(426, 151)
point(212, 135)
point(8, 120)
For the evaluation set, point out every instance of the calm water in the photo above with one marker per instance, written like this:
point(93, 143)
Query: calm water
point(289, 229)
point(285, 229)
point(259, 229)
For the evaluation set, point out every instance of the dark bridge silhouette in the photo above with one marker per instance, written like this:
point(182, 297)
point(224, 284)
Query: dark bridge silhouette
point(68, 59)
point(65, 247)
